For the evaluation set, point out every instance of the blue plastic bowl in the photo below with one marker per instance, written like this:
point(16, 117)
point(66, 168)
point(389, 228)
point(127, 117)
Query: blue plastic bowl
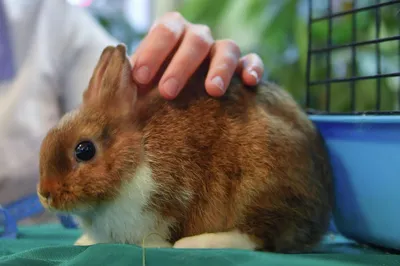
point(365, 154)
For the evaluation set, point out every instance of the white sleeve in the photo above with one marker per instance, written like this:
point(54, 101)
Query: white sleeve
point(83, 41)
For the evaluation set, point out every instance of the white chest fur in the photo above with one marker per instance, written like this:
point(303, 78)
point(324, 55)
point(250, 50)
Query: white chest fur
point(126, 221)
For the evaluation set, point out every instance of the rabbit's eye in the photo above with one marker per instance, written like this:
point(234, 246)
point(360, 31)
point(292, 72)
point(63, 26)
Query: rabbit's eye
point(85, 151)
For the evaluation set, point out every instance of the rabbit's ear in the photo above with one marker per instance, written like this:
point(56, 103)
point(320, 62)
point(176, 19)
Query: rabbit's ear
point(112, 84)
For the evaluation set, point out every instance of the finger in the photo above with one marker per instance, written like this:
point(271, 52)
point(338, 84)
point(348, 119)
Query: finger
point(194, 48)
point(156, 46)
point(225, 55)
point(251, 69)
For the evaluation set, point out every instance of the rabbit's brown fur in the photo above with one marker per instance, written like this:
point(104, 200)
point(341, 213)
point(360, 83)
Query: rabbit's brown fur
point(250, 161)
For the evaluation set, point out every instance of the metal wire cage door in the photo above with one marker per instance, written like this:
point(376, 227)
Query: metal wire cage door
point(360, 57)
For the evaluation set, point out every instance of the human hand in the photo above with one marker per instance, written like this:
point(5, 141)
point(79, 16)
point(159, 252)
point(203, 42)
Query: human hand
point(192, 43)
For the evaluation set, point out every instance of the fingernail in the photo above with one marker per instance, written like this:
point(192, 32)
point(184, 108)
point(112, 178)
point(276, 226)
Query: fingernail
point(142, 74)
point(171, 87)
point(217, 81)
point(255, 75)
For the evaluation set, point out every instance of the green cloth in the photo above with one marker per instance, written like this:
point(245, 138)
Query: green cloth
point(52, 245)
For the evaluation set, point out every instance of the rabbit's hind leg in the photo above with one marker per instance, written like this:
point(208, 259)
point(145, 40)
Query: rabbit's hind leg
point(222, 240)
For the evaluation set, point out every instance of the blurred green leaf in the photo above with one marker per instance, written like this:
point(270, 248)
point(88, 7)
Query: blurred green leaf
point(204, 11)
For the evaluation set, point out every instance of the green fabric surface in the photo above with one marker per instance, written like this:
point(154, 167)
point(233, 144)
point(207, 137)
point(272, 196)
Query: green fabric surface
point(53, 245)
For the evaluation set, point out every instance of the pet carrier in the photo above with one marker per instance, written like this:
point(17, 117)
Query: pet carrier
point(362, 130)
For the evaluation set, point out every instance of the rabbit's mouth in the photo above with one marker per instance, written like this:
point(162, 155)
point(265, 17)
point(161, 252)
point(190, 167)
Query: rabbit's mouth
point(43, 199)
point(60, 202)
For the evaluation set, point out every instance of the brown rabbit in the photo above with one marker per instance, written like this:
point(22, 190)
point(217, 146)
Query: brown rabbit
point(247, 170)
